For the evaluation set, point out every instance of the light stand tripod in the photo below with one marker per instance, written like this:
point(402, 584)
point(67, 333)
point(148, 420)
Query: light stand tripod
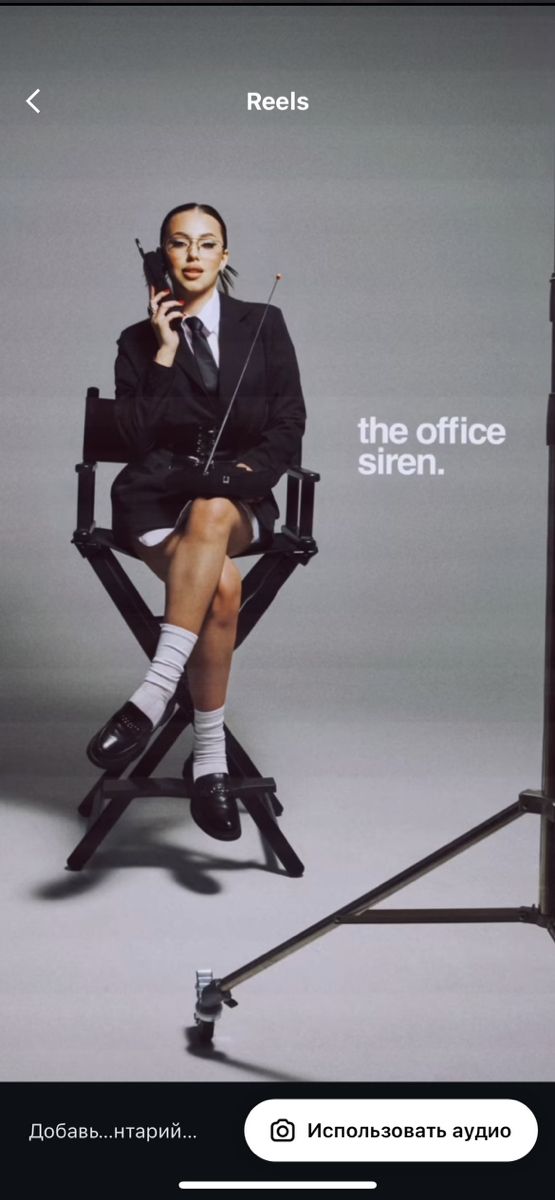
point(213, 993)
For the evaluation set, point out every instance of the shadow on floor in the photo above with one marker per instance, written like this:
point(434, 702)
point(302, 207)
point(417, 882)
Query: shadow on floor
point(200, 1049)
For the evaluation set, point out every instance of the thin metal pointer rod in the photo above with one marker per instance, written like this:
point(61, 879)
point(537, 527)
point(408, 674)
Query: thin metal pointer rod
point(333, 921)
point(238, 384)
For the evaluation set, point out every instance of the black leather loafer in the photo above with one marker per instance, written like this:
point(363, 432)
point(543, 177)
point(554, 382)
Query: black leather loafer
point(214, 809)
point(123, 737)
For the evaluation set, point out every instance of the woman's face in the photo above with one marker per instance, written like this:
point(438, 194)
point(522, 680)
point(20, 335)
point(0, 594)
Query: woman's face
point(194, 250)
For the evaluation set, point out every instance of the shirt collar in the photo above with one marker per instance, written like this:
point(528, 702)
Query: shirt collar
point(210, 313)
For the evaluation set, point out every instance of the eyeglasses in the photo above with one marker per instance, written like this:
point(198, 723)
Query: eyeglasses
point(207, 247)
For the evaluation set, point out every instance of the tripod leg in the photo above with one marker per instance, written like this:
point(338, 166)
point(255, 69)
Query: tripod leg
point(369, 899)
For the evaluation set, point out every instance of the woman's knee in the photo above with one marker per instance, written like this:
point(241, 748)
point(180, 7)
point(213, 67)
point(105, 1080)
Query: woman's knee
point(227, 597)
point(211, 517)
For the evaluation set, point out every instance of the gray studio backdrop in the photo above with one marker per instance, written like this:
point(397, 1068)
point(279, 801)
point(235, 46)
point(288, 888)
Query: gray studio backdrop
point(410, 210)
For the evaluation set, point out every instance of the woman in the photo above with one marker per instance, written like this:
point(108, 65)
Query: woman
point(172, 389)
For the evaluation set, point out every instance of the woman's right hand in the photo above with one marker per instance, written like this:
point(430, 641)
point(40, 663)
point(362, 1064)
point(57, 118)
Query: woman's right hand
point(164, 309)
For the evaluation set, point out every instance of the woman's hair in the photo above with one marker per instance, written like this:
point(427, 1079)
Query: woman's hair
point(227, 274)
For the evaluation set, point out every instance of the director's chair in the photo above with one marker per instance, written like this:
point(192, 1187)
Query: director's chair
point(111, 795)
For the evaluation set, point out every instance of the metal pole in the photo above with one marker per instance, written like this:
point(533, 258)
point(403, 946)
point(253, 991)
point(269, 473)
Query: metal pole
point(547, 836)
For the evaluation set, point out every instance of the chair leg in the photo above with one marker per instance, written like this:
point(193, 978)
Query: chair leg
point(241, 764)
point(97, 832)
point(87, 804)
point(262, 806)
point(271, 832)
point(129, 602)
point(260, 587)
point(103, 820)
point(259, 806)
point(158, 749)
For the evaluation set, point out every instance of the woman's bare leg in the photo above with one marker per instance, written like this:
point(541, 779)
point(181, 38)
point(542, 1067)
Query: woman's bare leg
point(203, 591)
point(196, 554)
point(193, 560)
point(210, 663)
point(182, 558)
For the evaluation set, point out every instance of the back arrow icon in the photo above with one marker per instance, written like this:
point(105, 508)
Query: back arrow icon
point(30, 99)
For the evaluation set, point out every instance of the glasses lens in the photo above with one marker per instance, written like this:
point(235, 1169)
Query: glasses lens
point(207, 247)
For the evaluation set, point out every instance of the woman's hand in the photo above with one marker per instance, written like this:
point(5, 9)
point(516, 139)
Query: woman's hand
point(163, 311)
point(244, 467)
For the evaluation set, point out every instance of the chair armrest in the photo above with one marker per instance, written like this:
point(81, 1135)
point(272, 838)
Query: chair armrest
point(302, 473)
point(299, 511)
point(85, 498)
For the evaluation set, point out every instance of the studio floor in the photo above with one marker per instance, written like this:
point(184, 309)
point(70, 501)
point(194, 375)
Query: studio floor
point(99, 966)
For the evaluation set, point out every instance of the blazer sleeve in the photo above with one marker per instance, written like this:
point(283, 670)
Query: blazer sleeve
point(279, 446)
point(143, 389)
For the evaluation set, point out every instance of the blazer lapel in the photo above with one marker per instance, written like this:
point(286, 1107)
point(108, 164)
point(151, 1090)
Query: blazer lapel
point(235, 340)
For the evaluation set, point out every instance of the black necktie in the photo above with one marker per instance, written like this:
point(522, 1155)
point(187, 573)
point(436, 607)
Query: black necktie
point(205, 359)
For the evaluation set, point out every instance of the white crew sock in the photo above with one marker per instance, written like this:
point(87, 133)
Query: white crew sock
point(209, 743)
point(174, 647)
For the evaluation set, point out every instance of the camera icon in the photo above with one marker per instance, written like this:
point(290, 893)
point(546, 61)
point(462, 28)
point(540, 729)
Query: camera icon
point(282, 1131)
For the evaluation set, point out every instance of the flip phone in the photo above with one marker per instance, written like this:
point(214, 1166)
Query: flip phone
point(157, 276)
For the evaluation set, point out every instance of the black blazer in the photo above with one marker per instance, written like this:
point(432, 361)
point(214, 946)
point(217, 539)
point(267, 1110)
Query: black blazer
point(158, 411)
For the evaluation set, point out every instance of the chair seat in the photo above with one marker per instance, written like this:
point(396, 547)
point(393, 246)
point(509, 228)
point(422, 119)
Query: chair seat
point(280, 544)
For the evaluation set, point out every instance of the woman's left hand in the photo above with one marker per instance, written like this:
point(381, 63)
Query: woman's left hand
point(244, 467)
